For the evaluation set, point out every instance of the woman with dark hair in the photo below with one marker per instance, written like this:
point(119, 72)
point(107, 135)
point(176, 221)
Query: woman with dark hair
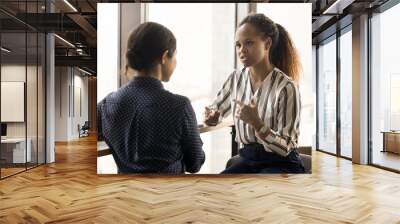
point(149, 129)
point(265, 99)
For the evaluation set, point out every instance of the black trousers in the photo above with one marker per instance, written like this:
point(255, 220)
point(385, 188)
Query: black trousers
point(254, 159)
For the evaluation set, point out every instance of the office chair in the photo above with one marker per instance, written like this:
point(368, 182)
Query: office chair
point(84, 130)
point(305, 156)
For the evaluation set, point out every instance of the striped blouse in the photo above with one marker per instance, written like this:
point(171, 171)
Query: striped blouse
point(278, 102)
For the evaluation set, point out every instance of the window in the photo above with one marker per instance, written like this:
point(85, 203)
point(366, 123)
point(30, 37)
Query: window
point(205, 58)
point(394, 101)
point(346, 93)
point(108, 14)
point(22, 76)
point(327, 96)
point(385, 84)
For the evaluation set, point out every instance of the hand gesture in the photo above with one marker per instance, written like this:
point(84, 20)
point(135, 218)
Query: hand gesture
point(211, 117)
point(248, 113)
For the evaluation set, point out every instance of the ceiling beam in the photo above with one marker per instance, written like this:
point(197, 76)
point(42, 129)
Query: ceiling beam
point(321, 20)
point(84, 61)
point(84, 24)
point(337, 7)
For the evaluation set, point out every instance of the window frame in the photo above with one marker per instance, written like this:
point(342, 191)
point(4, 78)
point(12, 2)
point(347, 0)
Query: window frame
point(334, 37)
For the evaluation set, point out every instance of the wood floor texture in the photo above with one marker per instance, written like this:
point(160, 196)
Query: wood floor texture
point(70, 191)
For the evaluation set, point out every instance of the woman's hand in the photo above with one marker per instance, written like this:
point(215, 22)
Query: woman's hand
point(211, 117)
point(249, 114)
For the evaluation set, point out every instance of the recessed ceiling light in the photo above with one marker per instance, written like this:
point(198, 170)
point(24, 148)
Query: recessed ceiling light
point(64, 40)
point(70, 5)
point(84, 71)
point(337, 6)
point(5, 50)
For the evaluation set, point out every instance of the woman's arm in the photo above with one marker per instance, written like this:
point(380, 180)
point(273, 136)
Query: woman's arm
point(284, 139)
point(221, 107)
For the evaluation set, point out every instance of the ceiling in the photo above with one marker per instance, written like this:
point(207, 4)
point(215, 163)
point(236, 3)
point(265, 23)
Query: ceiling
point(330, 16)
point(76, 22)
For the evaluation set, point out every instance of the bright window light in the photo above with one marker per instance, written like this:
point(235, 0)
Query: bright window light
point(108, 48)
point(205, 58)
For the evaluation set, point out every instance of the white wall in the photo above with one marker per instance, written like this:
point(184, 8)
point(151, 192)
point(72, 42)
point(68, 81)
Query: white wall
point(61, 103)
point(79, 118)
point(33, 126)
point(68, 80)
point(12, 73)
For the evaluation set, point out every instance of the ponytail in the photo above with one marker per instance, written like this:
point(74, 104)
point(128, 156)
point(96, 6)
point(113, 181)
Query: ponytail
point(282, 54)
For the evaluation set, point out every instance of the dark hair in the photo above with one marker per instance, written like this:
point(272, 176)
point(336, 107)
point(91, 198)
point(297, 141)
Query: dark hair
point(147, 43)
point(282, 54)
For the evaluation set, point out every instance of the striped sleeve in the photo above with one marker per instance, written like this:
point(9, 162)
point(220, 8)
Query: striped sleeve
point(283, 139)
point(222, 102)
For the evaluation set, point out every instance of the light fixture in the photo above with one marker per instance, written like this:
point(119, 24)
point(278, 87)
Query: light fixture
point(64, 40)
point(5, 50)
point(337, 7)
point(84, 71)
point(80, 51)
point(70, 5)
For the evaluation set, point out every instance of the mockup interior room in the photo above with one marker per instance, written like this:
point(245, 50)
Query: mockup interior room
point(47, 83)
point(54, 71)
point(22, 101)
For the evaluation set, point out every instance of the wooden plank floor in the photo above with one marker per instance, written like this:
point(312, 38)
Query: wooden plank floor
point(9, 171)
point(387, 159)
point(70, 191)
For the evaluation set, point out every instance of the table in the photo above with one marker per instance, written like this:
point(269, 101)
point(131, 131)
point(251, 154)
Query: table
point(103, 149)
point(391, 141)
point(226, 123)
point(13, 150)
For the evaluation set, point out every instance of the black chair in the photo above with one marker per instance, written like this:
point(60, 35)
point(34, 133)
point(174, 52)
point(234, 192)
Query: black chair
point(305, 156)
point(84, 130)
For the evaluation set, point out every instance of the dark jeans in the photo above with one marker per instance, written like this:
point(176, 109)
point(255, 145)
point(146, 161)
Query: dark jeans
point(254, 159)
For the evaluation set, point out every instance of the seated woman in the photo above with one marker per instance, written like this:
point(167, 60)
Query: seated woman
point(264, 98)
point(149, 129)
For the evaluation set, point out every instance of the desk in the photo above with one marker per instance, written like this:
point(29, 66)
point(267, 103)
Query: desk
point(226, 123)
point(391, 141)
point(103, 149)
point(13, 150)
